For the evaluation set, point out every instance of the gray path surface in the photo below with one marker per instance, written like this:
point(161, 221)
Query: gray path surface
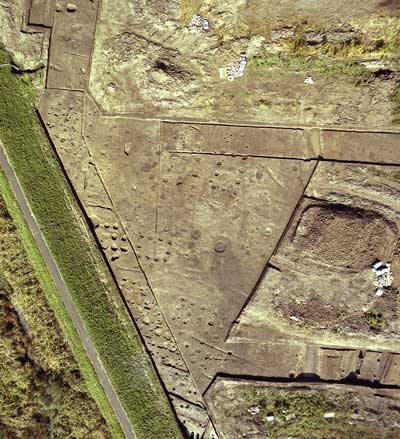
point(65, 295)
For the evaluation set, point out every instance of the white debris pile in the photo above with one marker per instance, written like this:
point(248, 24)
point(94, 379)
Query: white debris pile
point(198, 23)
point(270, 418)
point(11, 65)
point(254, 410)
point(383, 276)
point(234, 69)
point(329, 415)
point(309, 80)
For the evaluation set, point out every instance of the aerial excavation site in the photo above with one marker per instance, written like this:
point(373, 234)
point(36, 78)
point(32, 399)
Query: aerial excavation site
point(199, 219)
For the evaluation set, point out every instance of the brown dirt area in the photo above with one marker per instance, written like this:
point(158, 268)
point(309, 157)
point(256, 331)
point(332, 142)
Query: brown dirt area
point(321, 273)
point(147, 62)
point(223, 208)
point(316, 235)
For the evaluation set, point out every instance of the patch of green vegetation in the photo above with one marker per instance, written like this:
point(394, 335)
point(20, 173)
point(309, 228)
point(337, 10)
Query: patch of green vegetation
point(375, 319)
point(299, 413)
point(42, 392)
point(316, 49)
point(80, 263)
point(299, 63)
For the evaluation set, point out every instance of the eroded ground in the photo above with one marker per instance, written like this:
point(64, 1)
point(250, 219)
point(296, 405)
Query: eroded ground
point(320, 274)
point(242, 240)
point(147, 62)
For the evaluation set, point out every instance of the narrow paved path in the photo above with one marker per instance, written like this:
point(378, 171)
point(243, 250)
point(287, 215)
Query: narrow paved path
point(65, 295)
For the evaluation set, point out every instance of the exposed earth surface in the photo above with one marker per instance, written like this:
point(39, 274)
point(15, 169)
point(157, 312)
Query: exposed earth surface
point(238, 163)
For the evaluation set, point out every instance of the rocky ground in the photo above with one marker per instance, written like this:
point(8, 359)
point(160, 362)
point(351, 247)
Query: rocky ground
point(29, 49)
point(241, 214)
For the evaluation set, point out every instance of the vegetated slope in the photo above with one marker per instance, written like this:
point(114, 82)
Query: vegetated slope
point(91, 287)
point(300, 413)
point(308, 62)
point(304, 410)
point(42, 392)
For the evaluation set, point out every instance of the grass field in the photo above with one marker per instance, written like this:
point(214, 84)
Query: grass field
point(80, 262)
point(35, 295)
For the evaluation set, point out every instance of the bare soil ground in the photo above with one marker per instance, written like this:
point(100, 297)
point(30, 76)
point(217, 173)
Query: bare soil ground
point(321, 273)
point(217, 233)
point(147, 62)
point(29, 49)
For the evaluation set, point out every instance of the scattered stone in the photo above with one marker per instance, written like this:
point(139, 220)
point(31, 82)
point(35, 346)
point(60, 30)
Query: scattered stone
point(235, 69)
point(198, 24)
point(290, 417)
point(341, 36)
point(71, 7)
point(195, 24)
point(335, 36)
point(384, 276)
point(281, 34)
point(329, 415)
point(127, 148)
point(313, 37)
point(254, 410)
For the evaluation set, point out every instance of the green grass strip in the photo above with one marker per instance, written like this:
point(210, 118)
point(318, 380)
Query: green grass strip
point(94, 387)
point(80, 262)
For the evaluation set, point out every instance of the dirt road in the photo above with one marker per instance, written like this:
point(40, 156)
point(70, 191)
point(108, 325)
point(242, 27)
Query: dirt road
point(65, 295)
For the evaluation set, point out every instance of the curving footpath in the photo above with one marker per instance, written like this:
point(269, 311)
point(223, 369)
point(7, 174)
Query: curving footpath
point(65, 295)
